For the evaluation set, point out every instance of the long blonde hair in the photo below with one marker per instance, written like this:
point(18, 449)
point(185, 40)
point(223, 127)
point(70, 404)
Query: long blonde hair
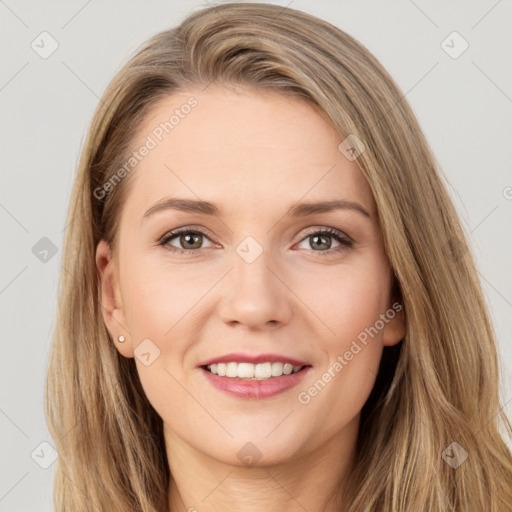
point(440, 385)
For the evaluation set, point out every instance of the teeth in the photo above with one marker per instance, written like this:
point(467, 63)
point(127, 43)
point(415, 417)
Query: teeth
point(277, 369)
point(231, 370)
point(244, 370)
point(261, 371)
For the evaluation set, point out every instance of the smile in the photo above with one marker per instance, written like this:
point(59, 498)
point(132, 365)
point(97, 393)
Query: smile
point(264, 379)
point(261, 371)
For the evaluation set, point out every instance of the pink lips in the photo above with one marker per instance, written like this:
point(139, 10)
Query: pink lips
point(254, 389)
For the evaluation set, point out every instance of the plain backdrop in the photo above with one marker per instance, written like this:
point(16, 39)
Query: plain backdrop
point(463, 103)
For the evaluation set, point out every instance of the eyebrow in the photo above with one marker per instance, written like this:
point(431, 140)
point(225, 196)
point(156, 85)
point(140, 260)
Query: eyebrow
point(296, 210)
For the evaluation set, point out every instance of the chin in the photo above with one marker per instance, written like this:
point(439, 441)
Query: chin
point(259, 448)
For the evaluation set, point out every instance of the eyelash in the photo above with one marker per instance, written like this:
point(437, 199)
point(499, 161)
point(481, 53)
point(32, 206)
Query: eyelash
point(345, 242)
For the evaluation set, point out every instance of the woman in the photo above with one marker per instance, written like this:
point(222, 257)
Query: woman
point(268, 301)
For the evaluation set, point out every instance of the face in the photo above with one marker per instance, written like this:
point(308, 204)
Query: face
point(260, 280)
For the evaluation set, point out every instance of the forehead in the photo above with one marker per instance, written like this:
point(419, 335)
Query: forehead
point(242, 148)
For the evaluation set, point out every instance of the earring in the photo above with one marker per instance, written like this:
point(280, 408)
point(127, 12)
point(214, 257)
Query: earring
point(120, 339)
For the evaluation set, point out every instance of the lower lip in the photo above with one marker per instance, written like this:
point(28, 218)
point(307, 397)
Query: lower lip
point(245, 388)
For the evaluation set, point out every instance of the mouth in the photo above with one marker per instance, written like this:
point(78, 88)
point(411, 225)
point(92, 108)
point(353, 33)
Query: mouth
point(254, 377)
point(255, 372)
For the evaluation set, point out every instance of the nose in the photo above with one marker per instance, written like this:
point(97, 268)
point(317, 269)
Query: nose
point(255, 294)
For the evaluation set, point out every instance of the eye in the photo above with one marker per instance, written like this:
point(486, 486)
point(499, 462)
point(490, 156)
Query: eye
point(189, 240)
point(321, 240)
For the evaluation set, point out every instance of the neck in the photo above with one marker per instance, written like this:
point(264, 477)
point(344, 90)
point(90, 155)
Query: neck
point(313, 481)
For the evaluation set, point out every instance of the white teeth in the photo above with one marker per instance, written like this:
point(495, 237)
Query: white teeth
point(232, 370)
point(277, 369)
point(287, 369)
point(261, 371)
point(245, 370)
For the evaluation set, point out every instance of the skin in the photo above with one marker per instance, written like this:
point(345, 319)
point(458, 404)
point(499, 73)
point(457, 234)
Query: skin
point(255, 154)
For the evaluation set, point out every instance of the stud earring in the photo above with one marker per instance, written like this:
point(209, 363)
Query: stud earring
point(120, 339)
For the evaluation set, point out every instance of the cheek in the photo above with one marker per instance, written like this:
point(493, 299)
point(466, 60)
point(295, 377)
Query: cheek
point(350, 303)
point(158, 298)
point(160, 304)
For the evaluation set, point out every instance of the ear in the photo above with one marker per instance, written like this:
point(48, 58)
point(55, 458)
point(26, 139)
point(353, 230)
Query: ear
point(394, 329)
point(110, 294)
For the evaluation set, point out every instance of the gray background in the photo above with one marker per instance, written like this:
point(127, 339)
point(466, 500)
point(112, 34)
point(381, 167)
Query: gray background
point(463, 104)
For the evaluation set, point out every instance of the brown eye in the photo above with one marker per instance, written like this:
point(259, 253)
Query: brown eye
point(186, 240)
point(191, 240)
point(321, 241)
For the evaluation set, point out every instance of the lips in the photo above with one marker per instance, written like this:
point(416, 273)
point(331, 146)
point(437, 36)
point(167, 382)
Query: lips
point(254, 388)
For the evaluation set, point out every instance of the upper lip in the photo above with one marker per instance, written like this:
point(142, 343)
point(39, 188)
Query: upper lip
point(254, 359)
